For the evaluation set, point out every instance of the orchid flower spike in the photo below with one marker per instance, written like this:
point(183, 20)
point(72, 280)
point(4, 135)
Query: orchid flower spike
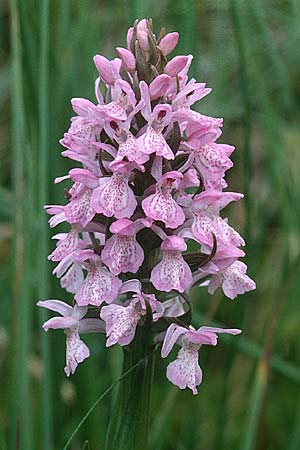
point(143, 209)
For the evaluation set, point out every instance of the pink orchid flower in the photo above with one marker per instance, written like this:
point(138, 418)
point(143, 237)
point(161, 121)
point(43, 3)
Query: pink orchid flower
point(185, 370)
point(99, 285)
point(161, 205)
point(69, 269)
point(67, 243)
point(128, 145)
point(233, 280)
point(122, 321)
point(113, 196)
point(73, 322)
point(122, 104)
point(209, 158)
point(153, 140)
point(70, 273)
point(85, 128)
point(122, 252)
point(172, 272)
point(206, 207)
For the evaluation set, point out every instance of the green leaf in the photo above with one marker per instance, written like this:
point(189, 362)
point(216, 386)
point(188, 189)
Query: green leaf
point(101, 397)
point(129, 426)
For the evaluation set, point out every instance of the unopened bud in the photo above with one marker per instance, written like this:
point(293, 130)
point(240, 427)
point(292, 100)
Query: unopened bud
point(142, 35)
point(168, 43)
point(176, 65)
point(128, 59)
point(105, 69)
point(129, 37)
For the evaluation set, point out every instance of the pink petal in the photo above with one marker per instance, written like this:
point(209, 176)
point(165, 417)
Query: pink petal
point(131, 151)
point(82, 106)
point(233, 331)
point(114, 197)
point(174, 242)
point(85, 177)
point(185, 370)
point(105, 69)
point(156, 169)
point(235, 280)
point(60, 323)
point(131, 286)
point(122, 254)
point(77, 352)
point(159, 86)
point(56, 305)
point(176, 65)
point(65, 246)
point(168, 43)
point(127, 57)
point(163, 207)
point(72, 279)
point(154, 142)
point(203, 228)
point(99, 286)
point(79, 209)
point(174, 331)
point(171, 273)
point(121, 323)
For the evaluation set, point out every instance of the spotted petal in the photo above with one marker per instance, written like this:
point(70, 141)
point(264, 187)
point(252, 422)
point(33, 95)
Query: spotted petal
point(185, 370)
point(160, 206)
point(233, 280)
point(114, 197)
point(73, 278)
point(121, 323)
point(79, 209)
point(77, 352)
point(122, 254)
point(171, 273)
point(154, 142)
point(65, 246)
point(100, 285)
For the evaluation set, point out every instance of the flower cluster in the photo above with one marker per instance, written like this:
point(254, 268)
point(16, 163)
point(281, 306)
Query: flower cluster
point(151, 184)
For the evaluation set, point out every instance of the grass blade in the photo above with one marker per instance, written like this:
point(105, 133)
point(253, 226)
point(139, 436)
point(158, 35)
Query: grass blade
point(42, 176)
point(21, 419)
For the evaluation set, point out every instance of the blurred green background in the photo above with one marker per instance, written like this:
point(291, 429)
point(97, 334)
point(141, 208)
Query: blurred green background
point(248, 51)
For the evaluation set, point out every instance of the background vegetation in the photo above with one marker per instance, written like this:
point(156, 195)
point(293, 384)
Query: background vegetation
point(248, 51)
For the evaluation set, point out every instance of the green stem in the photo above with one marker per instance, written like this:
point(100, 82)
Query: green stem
point(130, 422)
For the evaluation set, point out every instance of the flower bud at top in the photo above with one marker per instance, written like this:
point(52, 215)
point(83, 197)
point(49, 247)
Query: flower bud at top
point(142, 35)
point(129, 37)
point(176, 65)
point(128, 60)
point(105, 69)
point(168, 43)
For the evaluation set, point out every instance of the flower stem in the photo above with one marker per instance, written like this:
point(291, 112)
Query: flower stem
point(129, 425)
